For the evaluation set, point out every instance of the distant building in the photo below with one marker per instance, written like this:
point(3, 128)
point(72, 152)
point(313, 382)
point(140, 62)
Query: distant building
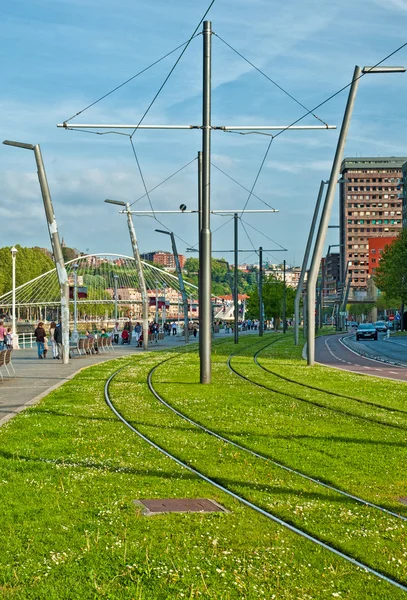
point(376, 247)
point(292, 274)
point(332, 275)
point(166, 259)
point(370, 207)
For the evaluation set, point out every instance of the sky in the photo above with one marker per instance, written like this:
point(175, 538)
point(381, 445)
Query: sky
point(60, 56)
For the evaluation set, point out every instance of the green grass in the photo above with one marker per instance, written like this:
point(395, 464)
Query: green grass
point(69, 472)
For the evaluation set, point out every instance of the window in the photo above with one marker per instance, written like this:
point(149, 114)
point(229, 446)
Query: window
point(373, 251)
point(373, 260)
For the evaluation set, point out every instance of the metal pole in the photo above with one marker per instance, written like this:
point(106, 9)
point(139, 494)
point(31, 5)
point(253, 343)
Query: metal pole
point(304, 266)
point(199, 249)
point(326, 214)
point(164, 312)
point(284, 300)
point(261, 320)
point(181, 285)
point(13, 301)
point(75, 303)
point(143, 289)
point(235, 290)
point(57, 252)
point(115, 278)
point(205, 237)
point(156, 302)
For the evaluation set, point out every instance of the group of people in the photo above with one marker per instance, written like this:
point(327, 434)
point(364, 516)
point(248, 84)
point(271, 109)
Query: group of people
point(6, 337)
point(54, 336)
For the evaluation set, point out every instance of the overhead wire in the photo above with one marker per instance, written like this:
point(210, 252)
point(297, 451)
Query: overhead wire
point(173, 68)
point(242, 186)
point(261, 233)
point(127, 81)
point(269, 78)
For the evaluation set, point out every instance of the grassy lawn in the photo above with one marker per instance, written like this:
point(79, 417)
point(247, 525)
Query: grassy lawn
point(70, 471)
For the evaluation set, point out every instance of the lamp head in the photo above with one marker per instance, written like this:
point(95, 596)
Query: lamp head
point(118, 202)
point(183, 207)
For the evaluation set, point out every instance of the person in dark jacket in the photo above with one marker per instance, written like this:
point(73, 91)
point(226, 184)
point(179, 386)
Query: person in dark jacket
point(39, 336)
point(58, 339)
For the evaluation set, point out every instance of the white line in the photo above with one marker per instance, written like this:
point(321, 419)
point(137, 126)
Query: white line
point(331, 353)
point(359, 355)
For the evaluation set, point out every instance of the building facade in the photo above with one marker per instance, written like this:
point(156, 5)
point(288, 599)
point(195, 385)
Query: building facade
point(370, 207)
point(165, 259)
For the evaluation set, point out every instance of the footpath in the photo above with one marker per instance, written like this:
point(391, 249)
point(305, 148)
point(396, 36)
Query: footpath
point(36, 378)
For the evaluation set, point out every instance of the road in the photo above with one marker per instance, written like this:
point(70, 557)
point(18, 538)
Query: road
point(367, 357)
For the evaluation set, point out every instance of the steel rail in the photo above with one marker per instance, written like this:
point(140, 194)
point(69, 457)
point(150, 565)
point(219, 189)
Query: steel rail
point(258, 455)
point(312, 387)
point(246, 502)
point(318, 404)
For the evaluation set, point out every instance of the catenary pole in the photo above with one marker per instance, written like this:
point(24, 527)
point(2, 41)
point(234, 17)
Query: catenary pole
point(261, 320)
point(57, 252)
point(284, 299)
point(304, 266)
point(235, 290)
point(205, 237)
point(326, 214)
point(143, 289)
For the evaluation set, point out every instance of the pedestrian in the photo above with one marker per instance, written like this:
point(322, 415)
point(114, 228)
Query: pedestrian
point(53, 342)
point(137, 331)
point(45, 347)
point(39, 334)
point(3, 333)
point(195, 329)
point(116, 333)
point(9, 339)
point(58, 340)
point(174, 328)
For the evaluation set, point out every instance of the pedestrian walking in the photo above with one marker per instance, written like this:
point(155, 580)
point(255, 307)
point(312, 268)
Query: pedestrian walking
point(39, 334)
point(52, 339)
point(3, 333)
point(116, 333)
point(58, 340)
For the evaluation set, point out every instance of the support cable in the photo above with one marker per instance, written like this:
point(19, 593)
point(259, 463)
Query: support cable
point(127, 81)
point(173, 68)
point(269, 79)
point(261, 233)
point(242, 186)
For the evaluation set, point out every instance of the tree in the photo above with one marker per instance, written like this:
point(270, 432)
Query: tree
point(391, 274)
point(273, 297)
point(30, 263)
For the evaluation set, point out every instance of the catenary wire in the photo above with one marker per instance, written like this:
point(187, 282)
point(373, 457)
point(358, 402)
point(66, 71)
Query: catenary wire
point(165, 180)
point(258, 175)
point(269, 78)
point(173, 68)
point(261, 233)
point(242, 186)
point(127, 81)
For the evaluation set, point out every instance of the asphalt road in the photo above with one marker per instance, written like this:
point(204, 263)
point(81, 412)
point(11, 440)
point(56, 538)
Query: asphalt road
point(369, 357)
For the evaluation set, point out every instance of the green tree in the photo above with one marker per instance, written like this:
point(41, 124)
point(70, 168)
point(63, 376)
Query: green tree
point(273, 297)
point(30, 263)
point(391, 274)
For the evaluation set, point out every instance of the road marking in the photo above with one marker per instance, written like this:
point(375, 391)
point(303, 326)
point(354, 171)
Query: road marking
point(393, 372)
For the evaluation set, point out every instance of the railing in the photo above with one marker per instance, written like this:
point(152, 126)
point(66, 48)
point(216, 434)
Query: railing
point(26, 340)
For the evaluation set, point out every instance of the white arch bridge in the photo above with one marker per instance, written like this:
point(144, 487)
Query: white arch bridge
point(105, 283)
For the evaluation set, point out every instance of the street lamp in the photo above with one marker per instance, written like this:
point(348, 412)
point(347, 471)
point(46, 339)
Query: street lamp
point(55, 243)
point(180, 280)
point(13, 301)
point(329, 200)
point(75, 335)
point(136, 254)
point(115, 277)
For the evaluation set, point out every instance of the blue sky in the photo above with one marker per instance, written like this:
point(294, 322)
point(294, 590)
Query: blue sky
point(61, 55)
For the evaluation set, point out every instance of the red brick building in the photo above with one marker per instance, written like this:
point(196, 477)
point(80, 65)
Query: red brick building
point(376, 247)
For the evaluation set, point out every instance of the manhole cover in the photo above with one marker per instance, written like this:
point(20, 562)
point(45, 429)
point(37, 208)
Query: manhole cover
point(157, 506)
point(403, 500)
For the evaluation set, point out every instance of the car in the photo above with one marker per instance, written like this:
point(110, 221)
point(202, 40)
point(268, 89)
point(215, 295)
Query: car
point(393, 325)
point(366, 331)
point(352, 324)
point(380, 326)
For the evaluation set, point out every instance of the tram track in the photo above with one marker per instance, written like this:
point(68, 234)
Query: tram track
point(325, 391)
point(252, 505)
point(311, 402)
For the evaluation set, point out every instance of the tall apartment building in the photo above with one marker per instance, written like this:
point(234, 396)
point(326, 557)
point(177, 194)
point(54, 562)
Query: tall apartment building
point(370, 206)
